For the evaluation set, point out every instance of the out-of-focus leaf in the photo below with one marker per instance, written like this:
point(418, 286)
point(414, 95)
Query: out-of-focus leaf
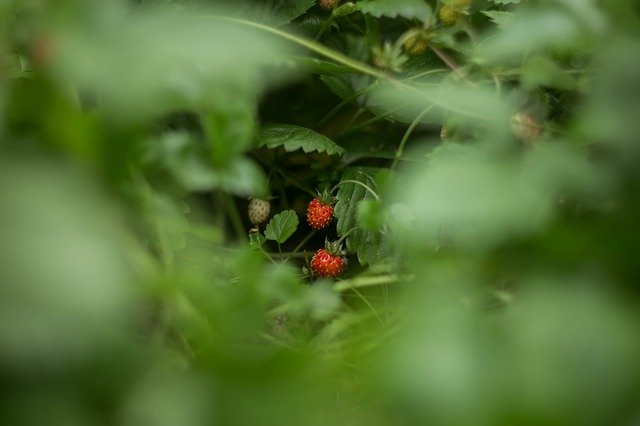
point(465, 197)
point(541, 71)
point(538, 30)
point(370, 246)
point(369, 214)
point(500, 18)
point(282, 226)
point(293, 138)
point(410, 9)
point(476, 106)
point(64, 267)
point(173, 58)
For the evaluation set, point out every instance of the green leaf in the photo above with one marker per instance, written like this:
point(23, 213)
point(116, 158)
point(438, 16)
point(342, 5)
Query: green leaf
point(370, 246)
point(285, 11)
point(409, 9)
point(505, 1)
point(542, 71)
point(256, 240)
point(501, 19)
point(295, 137)
point(282, 226)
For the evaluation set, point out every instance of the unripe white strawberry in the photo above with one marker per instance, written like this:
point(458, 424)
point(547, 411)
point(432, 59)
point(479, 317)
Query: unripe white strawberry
point(258, 210)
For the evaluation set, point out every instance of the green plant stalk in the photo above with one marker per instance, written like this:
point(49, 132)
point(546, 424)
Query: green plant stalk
point(299, 246)
point(364, 185)
point(356, 65)
point(405, 137)
point(370, 281)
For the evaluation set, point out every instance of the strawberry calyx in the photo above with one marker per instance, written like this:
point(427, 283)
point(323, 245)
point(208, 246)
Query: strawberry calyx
point(334, 248)
point(325, 197)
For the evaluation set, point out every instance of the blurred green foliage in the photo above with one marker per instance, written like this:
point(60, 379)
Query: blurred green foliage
point(487, 189)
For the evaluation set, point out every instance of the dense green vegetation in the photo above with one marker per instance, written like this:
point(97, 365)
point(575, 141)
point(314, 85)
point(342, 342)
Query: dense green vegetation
point(483, 158)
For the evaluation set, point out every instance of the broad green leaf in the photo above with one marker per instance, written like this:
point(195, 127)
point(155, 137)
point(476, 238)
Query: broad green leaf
point(293, 138)
point(410, 9)
point(370, 246)
point(141, 65)
point(282, 226)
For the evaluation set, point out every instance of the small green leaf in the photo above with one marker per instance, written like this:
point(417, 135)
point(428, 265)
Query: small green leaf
point(295, 137)
point(409, 9)
point(282, 226)
point(370, 246)
point(256, 240)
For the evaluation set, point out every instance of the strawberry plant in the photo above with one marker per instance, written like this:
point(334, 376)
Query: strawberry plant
point(166, 257)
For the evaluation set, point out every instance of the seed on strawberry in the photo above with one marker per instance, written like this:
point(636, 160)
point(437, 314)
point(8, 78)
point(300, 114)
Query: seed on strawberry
point(258, 210)
point(320, 211)
point(329, 262)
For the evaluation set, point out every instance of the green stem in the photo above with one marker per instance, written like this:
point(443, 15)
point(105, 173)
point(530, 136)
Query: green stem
point(357, 65)
point(369, 281)
point(342, 104)
point(346, 234)
point(234, 215)
point(299, 246)
point(403, 142)
point(309, 44)
point(364, 185)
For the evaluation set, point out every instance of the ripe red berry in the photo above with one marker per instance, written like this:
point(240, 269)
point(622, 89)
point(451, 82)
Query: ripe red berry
point(319, 213)
point(324, 264)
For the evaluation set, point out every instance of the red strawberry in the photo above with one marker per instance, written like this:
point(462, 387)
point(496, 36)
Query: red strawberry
point(329, 262)
point(320, 211)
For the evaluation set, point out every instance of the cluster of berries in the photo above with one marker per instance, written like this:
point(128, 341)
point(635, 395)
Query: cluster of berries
point(328, 262)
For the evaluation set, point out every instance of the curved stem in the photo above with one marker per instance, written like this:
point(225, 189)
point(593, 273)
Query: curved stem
point(364, 185)
point(299, 246)
point(346, 234)
point(403, 142)
point(357, 65)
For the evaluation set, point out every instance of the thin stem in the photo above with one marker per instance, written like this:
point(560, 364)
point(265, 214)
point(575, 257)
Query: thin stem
point(302, 243)
point(369, 281)
point(309, 44)
point(366, 301)
point(448, 60)
point(357, 65)
point(403, 142)
point(346, 234)
point(234, 215)
point(364, 185)
point(343, 103)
